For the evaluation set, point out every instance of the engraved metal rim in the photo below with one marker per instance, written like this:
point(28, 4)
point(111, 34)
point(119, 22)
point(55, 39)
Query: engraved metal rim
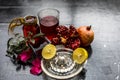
point(62, 77)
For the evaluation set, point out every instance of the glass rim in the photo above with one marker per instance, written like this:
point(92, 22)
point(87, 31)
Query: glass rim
point(48, 9)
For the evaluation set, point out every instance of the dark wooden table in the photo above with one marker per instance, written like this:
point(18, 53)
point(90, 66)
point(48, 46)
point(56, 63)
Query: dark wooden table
point(103, 15)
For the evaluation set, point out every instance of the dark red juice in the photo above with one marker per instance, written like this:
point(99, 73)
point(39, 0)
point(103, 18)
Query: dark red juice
point(31, 30)
point(48, 25)
point(34, 29)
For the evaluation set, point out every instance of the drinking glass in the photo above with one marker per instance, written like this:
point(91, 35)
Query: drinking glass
point(48, 20)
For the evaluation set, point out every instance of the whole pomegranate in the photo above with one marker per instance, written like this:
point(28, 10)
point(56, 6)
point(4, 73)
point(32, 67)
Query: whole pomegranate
point(86, 35)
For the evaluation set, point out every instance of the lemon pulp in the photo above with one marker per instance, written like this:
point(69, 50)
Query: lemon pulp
point(80, 55)
point(49, 51)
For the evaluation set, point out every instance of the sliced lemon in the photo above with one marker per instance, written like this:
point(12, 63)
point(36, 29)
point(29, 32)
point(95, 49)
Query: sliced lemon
point(49, 51)
point(80, 55)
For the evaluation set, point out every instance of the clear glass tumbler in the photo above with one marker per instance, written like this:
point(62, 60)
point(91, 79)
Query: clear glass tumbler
point(48, 20)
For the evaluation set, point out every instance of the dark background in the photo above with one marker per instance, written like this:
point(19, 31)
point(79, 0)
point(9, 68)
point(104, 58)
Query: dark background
point(103, 15)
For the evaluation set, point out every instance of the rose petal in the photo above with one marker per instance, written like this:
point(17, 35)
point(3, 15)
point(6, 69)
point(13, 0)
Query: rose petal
point(36, 62)
point(25, 55)
point(35, 70)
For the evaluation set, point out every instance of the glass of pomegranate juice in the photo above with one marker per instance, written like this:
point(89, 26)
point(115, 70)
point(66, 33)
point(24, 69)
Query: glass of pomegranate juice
point(48, 20)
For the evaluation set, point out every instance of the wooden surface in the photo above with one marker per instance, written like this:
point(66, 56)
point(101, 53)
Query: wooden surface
point(103, 15)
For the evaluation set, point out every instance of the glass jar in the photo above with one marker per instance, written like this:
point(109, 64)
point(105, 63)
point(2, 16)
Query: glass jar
point(31, 28)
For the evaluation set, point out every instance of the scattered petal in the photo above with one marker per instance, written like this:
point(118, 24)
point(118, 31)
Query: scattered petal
point(25, 55)
point(36, 62)
point(35, 70)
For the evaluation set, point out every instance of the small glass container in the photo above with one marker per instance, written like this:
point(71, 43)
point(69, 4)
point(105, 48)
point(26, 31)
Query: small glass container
point(31, 28)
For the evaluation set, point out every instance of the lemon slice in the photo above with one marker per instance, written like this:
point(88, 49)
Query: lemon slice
point(49, 51)
point(80, 55)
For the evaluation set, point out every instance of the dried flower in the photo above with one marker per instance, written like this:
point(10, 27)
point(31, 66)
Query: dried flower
point(25, 55)
point(36, 68)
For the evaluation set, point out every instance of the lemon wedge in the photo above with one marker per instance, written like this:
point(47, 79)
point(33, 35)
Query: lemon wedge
point(80, 55)
point(49, 51)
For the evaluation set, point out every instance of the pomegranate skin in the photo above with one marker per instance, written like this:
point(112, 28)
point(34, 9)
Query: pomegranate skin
point(86, 35)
